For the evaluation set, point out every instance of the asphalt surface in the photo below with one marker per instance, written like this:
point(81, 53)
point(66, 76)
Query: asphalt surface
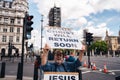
point(112, 63)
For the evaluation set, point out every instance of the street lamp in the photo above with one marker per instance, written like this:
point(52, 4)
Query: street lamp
point(36, 68)
point(41, 29)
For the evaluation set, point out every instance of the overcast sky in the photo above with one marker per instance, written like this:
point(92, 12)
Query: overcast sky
point(95, 15)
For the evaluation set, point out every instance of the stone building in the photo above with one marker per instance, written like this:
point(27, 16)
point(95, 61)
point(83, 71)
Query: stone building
point(113, 44)
point(11, 24)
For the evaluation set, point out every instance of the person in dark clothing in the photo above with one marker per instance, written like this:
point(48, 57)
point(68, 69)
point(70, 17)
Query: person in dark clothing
point(71, 57)
point(59, 65)
point(37, 61)
point(50, 55)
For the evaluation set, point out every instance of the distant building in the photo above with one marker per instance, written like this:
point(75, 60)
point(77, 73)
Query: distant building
point(11, 23)
point(55, 17)
point(97, 38)
point(113, 43)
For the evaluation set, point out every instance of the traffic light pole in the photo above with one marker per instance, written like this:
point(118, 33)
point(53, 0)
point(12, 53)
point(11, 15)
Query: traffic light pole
point(20, 65)
point(88, 53)
point(22, 55)
point(27, 22)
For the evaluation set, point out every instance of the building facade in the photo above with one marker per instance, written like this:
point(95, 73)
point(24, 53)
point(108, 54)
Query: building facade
point(113, 43)
point(55, 17)
point(11, 24)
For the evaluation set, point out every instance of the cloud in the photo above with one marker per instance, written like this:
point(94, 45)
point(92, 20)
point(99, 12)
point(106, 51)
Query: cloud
point(99, 30)
point(77, 8)
point(102, 25)
point(73, 13)
point(100, 5)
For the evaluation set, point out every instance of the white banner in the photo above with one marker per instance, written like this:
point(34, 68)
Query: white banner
point(63, 38)
point(61, 76)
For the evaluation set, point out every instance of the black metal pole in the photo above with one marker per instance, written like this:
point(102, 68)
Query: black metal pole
point(80, 75)
point(117, 78)
point(41, 30)
point(88, 53)
point(19, 70)
point(35, 72)
point(22, 55)
point(2, 73)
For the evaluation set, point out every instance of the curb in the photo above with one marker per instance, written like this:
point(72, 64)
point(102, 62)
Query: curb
point(9, 77)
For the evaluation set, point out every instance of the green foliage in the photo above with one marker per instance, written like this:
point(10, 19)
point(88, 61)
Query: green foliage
point(100, 46)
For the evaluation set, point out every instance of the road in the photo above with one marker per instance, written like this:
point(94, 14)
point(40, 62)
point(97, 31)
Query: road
point(112, 64)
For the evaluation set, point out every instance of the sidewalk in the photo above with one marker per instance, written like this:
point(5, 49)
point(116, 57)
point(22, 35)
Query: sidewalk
point(8, 77)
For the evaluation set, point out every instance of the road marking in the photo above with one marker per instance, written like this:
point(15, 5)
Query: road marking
point(86, 72)
point(114, 70)
point(12, 71)
point(100, 71)
point(24, 77)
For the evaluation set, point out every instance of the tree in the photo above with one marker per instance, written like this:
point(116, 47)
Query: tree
point(99, 46)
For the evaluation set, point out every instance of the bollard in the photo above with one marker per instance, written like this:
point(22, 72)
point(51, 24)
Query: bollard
point(35, 73)
point(19, 73)
point(80, 75)
point(2, 73)
point(117, 78)
point(36, 65)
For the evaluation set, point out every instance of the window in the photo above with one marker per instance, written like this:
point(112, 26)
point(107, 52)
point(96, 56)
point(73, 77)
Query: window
point(6, 12)
point(4, 38)
point(19, 7)
point(17, 39)
point(12, 13)
point(10, 38)
point(18, 30)
point(4, 30)
point(114, 46)
point(18, 20)
point(11, 29)
point(6, 20)
point(0, 19)
point(1, 4)
point(0, 29)
point(7, 5)
point(0, 11)
point(12, 21)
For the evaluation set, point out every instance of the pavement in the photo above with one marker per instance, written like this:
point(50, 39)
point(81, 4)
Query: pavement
point(84, 70)
point(14, 77)
point(9, 77)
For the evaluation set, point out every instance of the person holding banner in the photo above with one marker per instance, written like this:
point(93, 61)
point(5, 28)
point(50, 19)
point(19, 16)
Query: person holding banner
point(59, 65)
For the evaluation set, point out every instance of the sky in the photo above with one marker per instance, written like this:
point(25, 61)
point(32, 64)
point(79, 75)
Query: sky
point(96, 16)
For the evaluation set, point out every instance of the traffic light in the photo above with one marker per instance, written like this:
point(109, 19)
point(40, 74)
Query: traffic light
point(89, 37)
point(27, 24)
